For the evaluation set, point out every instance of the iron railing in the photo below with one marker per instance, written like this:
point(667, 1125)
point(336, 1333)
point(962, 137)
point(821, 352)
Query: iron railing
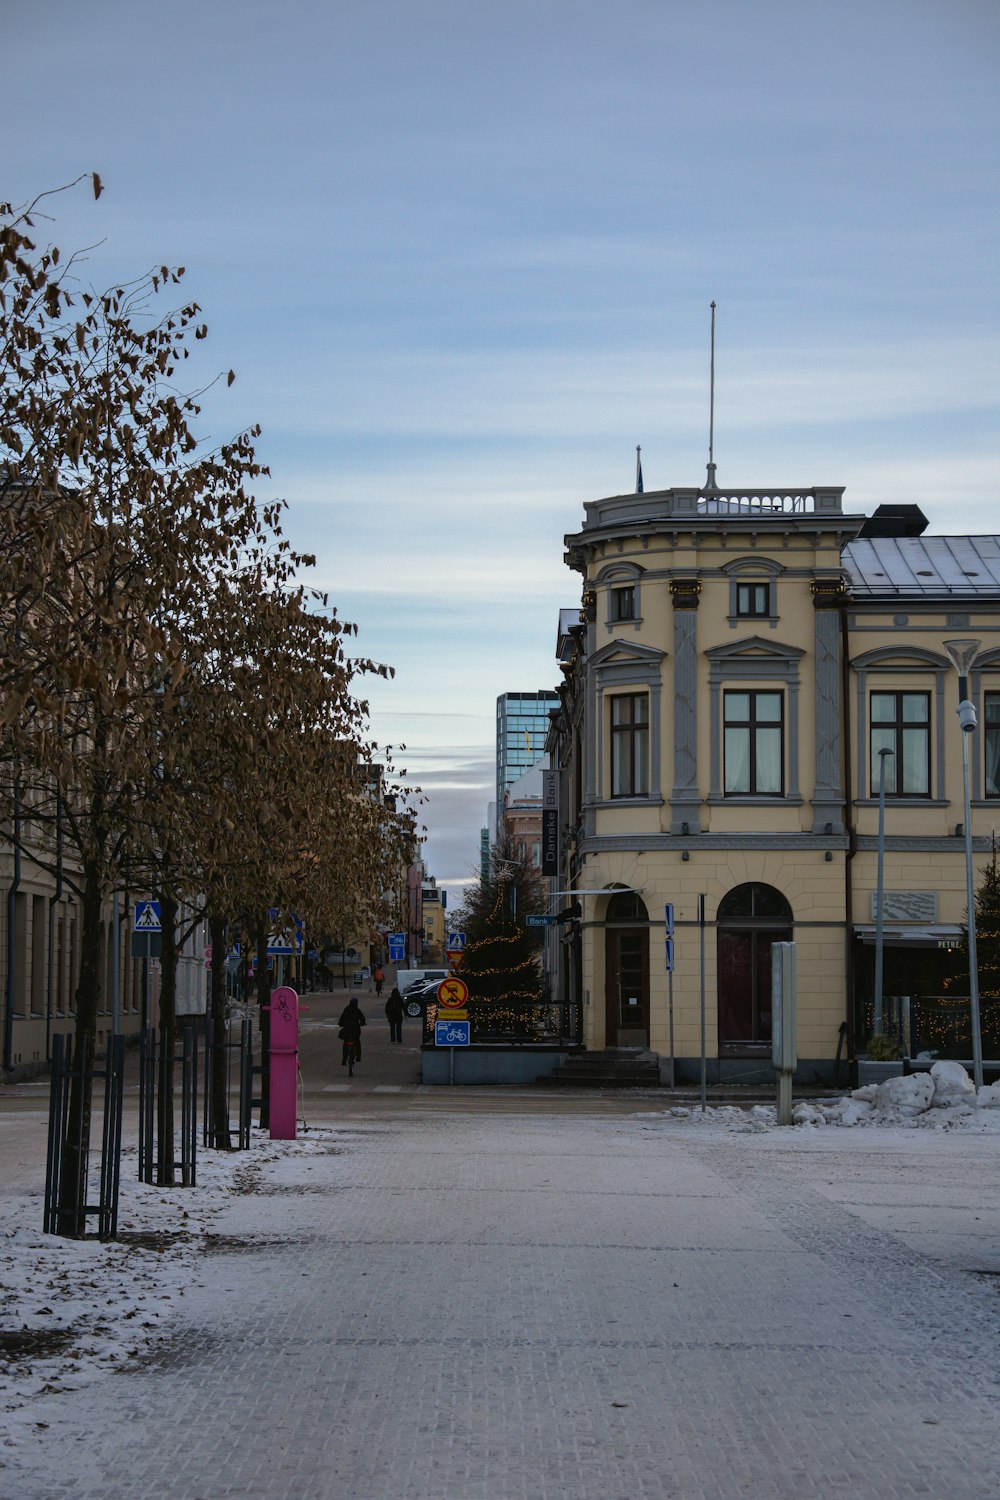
point(156, 1077)
point(67, 1166)
point(238, 1053)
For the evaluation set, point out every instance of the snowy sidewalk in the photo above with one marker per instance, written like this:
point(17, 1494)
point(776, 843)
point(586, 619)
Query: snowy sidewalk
point(485, 1307)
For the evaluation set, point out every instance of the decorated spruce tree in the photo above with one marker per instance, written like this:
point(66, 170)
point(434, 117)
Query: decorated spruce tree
point(502, 960)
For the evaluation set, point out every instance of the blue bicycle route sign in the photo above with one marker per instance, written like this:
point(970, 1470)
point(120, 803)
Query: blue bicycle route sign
point(451, 1033)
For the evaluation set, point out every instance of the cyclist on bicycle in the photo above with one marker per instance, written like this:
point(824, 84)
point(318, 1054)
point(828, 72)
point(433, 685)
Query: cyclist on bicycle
point(351, 1021)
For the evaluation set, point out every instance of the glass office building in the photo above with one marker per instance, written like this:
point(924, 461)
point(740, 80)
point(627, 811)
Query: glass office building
point(522, 725)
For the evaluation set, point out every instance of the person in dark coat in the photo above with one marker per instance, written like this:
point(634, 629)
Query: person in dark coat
point(395, 1011)
point(352, 1019)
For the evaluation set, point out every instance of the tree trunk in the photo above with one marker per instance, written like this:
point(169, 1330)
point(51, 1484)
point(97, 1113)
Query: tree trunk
point(76, 1146)
point(219, 1096)
point(264, 1002)
point(168, 1042)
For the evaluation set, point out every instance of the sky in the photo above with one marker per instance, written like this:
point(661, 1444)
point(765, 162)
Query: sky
point(461, 258)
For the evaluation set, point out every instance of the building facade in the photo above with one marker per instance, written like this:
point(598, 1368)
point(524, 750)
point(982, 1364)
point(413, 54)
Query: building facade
point(40, 953)
point(522, 816)
point(740, 660)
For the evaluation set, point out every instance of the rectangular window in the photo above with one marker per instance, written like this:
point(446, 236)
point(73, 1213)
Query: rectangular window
point(991, 742)
point(630, 745)
point(754, 744)
point(900, 723)
point(623, 604)
point(752, 599)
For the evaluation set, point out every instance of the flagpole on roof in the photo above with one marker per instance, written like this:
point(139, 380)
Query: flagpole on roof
point(638, 469)
point(710, 483)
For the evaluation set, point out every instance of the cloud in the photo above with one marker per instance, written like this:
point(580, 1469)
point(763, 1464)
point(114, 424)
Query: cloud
point(552, 395)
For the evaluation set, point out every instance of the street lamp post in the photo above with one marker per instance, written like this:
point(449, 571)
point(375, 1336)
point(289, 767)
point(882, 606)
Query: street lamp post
point(880, 892)
point(963, 654)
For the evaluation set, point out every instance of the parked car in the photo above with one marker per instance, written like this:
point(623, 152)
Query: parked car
point(407, 978)
point(417, 995)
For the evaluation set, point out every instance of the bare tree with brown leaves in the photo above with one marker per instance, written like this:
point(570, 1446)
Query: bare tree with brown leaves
point(157, 656)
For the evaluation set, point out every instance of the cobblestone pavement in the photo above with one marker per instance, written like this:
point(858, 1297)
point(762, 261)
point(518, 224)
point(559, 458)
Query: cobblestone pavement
point(503, 1307)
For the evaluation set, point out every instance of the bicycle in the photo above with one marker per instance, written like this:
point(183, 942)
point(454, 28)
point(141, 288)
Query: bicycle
point(351, 1048)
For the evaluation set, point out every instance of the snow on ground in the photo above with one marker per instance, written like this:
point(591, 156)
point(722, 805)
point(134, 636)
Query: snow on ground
point(74, 1310)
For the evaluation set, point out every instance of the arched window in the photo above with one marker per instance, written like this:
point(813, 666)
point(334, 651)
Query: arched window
point(627, 906)
point(755, 902)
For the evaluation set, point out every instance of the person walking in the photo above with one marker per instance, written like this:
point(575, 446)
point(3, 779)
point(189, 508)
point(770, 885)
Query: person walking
point(395, 1010)
point(352, 1018)
point(379, 980)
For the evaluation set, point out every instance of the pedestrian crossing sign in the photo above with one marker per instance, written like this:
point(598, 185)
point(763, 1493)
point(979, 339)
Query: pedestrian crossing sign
point(147, 917)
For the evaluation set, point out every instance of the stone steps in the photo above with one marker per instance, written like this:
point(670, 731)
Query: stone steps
point(621, 1068)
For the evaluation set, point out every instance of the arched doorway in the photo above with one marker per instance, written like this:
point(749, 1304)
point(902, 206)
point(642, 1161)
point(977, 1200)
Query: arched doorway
point(626, 970)
point(751, 919)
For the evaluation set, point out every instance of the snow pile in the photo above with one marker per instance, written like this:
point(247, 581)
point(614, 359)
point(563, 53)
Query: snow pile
point(944, 1098)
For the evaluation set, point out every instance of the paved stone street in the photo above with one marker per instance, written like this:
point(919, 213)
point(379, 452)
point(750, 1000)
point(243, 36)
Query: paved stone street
point(488, 1306)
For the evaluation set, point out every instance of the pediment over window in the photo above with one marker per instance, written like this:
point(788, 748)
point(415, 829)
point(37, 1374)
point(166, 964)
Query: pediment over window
point(627, 653)
point(755, 646)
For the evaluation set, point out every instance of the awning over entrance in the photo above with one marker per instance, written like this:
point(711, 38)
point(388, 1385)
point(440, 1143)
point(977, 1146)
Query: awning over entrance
point(941, 936)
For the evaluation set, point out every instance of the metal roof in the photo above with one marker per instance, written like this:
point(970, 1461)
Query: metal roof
point(949, 566)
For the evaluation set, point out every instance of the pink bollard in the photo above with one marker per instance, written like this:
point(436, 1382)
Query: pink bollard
point(284, 1063)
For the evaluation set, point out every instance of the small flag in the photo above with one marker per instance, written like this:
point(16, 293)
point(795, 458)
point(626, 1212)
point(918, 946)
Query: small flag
point(527, 742)
point(638, 469)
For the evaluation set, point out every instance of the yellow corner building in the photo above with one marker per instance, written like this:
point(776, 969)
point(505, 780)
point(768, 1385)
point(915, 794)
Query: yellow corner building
point(740, 661)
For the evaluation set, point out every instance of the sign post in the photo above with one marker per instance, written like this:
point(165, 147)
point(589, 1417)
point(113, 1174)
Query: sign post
point(147, 927)
point(701, 926)
point(668, 922)
point(454, 1028)
point(784, 1049)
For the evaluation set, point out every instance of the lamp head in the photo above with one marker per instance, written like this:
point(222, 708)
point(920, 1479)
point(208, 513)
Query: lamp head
point(962, 654)
point(967, 716)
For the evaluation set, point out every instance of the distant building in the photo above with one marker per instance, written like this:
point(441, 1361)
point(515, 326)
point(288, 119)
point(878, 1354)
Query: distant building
point(434, 902)
point(522, 725)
